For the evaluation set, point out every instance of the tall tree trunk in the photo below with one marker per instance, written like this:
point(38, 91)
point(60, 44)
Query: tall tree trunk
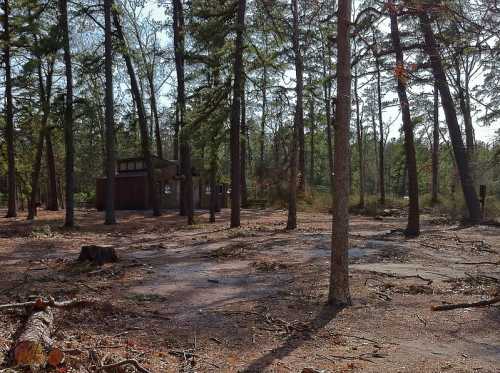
point(213, 181)
point(435, 148)
point(9, 116)
point(413, 227)
point(262, 137)
point(109, 116)
point(243, 149)
point(45, 90)
point(461, 158)
point(339, 294)
point(327, 94)
point(235, 117)
point(312, 119)
point(375, 148)
point(52, 204)
point(154, 109)
point(141, 114)
point(175, 141)
point(187, 207)
point(69, 146)
point(359, 135)
point(466, 112)
point(298, 125)
point(381, 149)
point(299, 89)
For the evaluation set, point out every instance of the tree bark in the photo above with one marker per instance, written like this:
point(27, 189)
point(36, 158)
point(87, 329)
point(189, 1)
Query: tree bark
point(187, 208)
point(327, 94)
point(9, 117)
point(461, 158)
point(243, 149)
point(297, 145)
point(235, 117)
point(35, 341)
point(466, 112)
point(52, 204)
point(435, 149)
point(45, 90)
point(154, 109)
point(299, 89)
point(141, 114)
point(375, 148)
point(69, 146)
point(262, 137)
point(359, 135)
point(312, 119)
point(381, 177)
point(213, 205)
point(339, 294)
point(413, 227)
point(109, 116)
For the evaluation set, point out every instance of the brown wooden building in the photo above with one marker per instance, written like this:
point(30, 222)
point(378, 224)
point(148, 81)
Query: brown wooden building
point(132, 188)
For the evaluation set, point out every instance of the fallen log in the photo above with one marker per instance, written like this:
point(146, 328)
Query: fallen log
point(33, 347)
point(34, 343)
point(484, 303)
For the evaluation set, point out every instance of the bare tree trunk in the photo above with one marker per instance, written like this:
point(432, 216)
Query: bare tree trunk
point(262, 137)
point(235, 117)
point(299, 89)
point(435, 148)
point(312, 119)
point(109, 116)
point(213, 181)
point(52, 204)
point(298, 126)
point(243, 149)
point(69, 164)
point(466, 112)
point(187, 207)
point(154, 109)
point(461, 158)
point(381, 178)
point(141, 114)
point(413, 227)
point(9, 116)
point(45, 95)
point(339, 294)
point(375, 148)
point(175, 145)
point(359, 135)
point(327, 87)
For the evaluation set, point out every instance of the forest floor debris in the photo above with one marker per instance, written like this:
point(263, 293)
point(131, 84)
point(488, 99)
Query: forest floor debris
point(210, 299)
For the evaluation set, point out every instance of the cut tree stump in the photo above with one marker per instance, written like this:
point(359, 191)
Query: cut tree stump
point(33, 345)
point(99, 254)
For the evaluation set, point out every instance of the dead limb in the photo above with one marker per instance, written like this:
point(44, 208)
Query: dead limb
point(484, 303)
point(132, 362)
point(392, 275)
point(41, 304)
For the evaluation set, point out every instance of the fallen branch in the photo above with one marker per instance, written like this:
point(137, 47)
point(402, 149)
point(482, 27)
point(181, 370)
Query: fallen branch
point(393, 275)
point(41, 304)
point(484, 303)
point(479, 263)
point(133, 362)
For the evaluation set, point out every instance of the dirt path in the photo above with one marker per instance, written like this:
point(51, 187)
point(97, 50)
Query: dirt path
point(210, 299)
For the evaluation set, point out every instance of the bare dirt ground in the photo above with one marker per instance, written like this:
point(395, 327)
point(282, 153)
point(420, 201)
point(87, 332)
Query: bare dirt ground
point(211, 299)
